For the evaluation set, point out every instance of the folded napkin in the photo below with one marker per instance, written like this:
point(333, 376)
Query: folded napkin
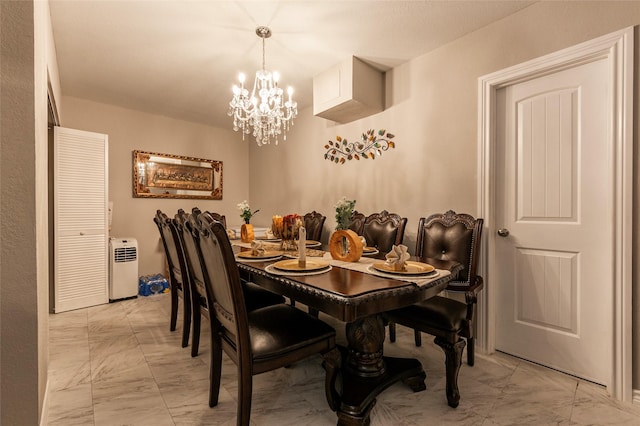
point(231, 234)
point(268, 233)
point(363, 240)
point(257, 248)
point(397, 257)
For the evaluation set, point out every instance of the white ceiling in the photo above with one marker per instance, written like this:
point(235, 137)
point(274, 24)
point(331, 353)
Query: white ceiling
point(180, 58)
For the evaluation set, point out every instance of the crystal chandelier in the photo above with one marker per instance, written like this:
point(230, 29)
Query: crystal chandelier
point(264, 110)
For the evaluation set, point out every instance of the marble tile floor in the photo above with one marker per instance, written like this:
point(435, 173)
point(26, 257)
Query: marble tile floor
point(118, 364)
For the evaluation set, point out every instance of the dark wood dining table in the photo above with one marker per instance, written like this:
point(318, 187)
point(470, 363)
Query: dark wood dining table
point(359, 299)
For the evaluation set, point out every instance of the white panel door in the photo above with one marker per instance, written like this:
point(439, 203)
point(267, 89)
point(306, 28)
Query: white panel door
point(80, 219)
point(554, 186)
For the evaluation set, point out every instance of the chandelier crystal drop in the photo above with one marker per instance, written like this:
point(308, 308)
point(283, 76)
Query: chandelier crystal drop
point(265, 110)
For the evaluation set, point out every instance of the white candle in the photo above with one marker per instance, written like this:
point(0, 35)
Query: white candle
point(241, 78)
point(302, 246)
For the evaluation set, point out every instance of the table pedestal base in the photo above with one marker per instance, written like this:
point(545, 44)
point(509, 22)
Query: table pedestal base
point(359, 393)
point(366, 373)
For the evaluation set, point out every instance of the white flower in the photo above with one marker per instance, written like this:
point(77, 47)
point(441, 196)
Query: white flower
point(245, 211)
point(343, 203)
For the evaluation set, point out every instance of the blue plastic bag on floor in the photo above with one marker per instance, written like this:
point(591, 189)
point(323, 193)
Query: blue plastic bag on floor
point(152, 284)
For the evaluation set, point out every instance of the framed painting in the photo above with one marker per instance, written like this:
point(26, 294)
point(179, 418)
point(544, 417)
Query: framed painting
point(158, 175)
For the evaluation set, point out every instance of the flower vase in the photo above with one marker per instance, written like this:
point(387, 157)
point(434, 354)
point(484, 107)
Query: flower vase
point(246, 233)
point(345, 245)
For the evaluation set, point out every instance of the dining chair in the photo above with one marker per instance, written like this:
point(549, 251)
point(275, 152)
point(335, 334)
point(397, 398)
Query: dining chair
point(383, 230)
point(313, 223)
point(220, 218)
point(357, 222)
point(198, 292)
point(453, 237)
point(256, 341)
point(255, 296)
point(178, 274)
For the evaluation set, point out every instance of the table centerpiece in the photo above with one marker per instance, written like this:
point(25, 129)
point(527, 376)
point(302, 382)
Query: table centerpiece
point(246, 230)
point(344, 244)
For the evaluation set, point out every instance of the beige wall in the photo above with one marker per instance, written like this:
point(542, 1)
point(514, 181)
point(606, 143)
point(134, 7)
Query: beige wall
point(45, 60)
point(129, 130)
point(432, 108)
point(23, 209)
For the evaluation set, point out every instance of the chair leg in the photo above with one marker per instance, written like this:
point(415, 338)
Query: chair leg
point(417, 336)
point(197, 321)
point(245, 385)
point(472, 301)
point(471, 351)
point(186, 320)
point(174, 308)
point(332, 363)
point(453, 361)
point(215, 372)
point(392, 331)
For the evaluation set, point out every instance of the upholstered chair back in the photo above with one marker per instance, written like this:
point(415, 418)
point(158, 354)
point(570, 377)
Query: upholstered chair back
point(383, 230)
point(453, 237)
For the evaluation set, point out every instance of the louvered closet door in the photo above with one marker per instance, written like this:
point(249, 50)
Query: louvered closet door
point(80, 219)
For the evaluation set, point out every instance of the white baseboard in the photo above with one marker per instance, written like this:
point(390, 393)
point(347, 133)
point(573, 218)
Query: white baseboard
point(636, 396)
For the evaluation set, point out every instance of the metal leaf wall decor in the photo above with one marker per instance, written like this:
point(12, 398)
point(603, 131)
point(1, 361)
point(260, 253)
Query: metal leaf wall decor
point(372, 144)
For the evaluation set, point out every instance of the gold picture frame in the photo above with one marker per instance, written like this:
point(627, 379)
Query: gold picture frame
point(157, 175)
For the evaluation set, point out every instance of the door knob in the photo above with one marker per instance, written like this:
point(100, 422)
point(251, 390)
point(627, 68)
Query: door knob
point(503, 232)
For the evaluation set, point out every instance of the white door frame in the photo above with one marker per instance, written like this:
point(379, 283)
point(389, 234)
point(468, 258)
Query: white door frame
point(617, 49)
